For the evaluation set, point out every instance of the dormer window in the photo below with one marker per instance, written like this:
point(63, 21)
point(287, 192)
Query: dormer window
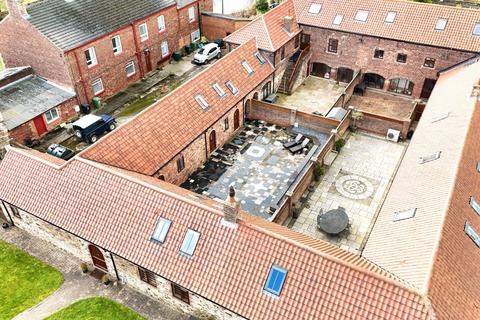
point(259, 57)
point(315, 8)
point(361, 15)
point(190, 242)
point(221, 93)
point(441, 24)
point(476, 29)
point(337, 20)
point(390, 17)
point(247, 67)
point(231, 87)
point(202, 102)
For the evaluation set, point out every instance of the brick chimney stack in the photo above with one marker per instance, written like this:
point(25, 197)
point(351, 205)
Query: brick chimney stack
point(16, 8)
point(231, 207)
point(288, 21)
point(4, 138)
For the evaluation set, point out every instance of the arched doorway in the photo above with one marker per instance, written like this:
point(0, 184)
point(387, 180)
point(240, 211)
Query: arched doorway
point(236, 120)
point(402, 86)
point(374, 80)
point(320, 69)
point(212, 141)
point(97, 257)
point(344, 74)
point(267, 89)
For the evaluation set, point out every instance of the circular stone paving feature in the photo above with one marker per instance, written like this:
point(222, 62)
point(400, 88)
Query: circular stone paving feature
point(255, 151)
point(354, 187)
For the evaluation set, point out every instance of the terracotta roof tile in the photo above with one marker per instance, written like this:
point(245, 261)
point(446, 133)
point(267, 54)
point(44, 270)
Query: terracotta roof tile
point(118, 212)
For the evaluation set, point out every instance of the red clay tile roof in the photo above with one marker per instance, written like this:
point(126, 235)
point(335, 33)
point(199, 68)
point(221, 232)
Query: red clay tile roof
point(118, 212)
point(414, 22)
point(153, 137)
point(268, 28)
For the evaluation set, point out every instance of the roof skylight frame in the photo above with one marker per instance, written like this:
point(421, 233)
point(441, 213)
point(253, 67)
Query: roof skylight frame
point(472, 233)
point(430, 157)
point(315, 8)
point(390, 17)
point(441, 24)
point(202, 102)
point(247, 67)
point(362, 15)
point(219, 90)
point(161, 230)
point(475, 205)
point(275, 280)
point(234, 90)
point(190, 243)
point(476, 29)
point(337, 20)
point(260, 58)
point(404, 215)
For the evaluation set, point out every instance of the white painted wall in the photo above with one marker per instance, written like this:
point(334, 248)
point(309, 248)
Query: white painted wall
point(231, 6)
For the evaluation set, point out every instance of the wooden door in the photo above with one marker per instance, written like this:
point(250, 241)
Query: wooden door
point(427, 88)
point(97, 257)
point(40, 125)
point(236, 120)
point(148, 60)
point(212, 141)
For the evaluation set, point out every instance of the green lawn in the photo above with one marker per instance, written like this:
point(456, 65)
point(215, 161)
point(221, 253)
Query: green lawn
point(95, 308)
point(24, 280)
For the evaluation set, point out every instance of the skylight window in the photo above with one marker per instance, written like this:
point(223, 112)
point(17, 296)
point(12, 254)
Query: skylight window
point(361, 15)
point(231, 87)
point(247, 67)
point(475, 205)
point(441, 117)
point(190, 242)
point(337, 20)
point(315, 8)
point(161, 230)
point(202, 102)
point(476, 29)
point(429, 158)
point(472, 233)
point(403, 215)
point(221, 93)
point(260, 58)
point(441, 24)
point(390, 18)
point(275, 280)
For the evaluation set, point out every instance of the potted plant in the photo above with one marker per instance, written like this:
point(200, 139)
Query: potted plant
point(318, 171)
point(84, 267)
point(356, 116)
point(106, 279)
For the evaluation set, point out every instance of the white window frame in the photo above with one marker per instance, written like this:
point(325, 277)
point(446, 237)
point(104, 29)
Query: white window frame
point(161, 23)
point(190, 242)
point(247, 67)
point(260, 58)
point(362, 15)
point(234, 90)
point(164, 48)
point(337, 20)
point(221, 93)
point(472, 233)
point(476, 29)
point(161, 230)
point(118, 48)
point(132, 64)
point(390, 17)
point(93, 57)
point(97, 81)
point(441, 24)
point(202, 102)
point(315, 8)
point(195, 35)
point(52, 118)
point(404, 215)
point(475, 205)
point(143, 37)
point(191, 14)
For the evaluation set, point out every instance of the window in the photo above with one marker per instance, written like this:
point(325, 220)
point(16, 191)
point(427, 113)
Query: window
point(275, 280)
point(361, 15)
point(259, 57)
point(315, 8)
point(469, 231)
point(441, 24)
point(195, 35)
point(164, 48)
point(130, 69)
point(402, 58)
point(390, 17)
point(227, 124)
point(231, 87)
point(51, 115)
point(332, 45)
point(475, 205)
point(429, 158)
point(478, 166)
point(201, 102)
point(221, 93)
point(117, 45)
point(429, 63)
point(91, 57)
point(190, 242)
point(161, 230)
point(147, 276)
point(191, 14)
point(337, 20)
point(476, 29)
point(143, 32)
point(378, 54)
point(97, 86)
point(282, 53)
point(161, 23)
point(180, 293)
point(180, 164)
point(402, 86)
point(403, 215)
point(247, 67)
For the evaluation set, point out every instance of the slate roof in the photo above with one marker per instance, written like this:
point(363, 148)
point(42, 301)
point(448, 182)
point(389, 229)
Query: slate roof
point(414, 22)
point(153, 137)
point(69, 24)
point(268, 29)
point(407, 248)
point(118, 212)
point(25, 99)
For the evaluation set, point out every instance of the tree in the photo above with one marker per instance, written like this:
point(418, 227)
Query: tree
point(262, 6)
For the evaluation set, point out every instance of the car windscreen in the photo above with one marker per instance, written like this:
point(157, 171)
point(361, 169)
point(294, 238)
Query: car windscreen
point(201, 51)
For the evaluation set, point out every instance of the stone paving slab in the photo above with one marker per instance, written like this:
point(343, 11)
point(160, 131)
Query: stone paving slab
point(78, 285)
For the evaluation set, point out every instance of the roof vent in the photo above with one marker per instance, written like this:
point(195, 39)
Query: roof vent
point(288, 22)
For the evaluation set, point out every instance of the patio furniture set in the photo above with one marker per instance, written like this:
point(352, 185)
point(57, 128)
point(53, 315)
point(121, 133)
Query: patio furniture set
point(298, 144)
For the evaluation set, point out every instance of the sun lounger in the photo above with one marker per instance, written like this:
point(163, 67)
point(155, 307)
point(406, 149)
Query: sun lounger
point(299, 148)
point(297, 141)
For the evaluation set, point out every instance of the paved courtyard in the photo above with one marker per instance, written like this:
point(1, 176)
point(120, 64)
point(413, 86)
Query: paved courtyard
point(315, 94)
point(357, 181)
point(384, 103)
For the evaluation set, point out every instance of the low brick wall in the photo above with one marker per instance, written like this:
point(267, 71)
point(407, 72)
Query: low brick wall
point(348, 92)
point(218, 26)
point(378, 124)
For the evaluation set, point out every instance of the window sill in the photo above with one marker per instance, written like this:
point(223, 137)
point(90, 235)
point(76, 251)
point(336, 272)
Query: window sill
point(51, 121)
point(162, 31)
point(99, 93)
point(117, 53)
point(92, 66)
point(131, 75)
point(329, 52)
point(143, 40)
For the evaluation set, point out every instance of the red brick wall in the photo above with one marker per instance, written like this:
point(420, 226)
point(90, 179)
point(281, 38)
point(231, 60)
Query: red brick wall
point(28, 130)
point(216, 26)
point(454, 288)
point(224, 135)
point(185, 26)
point(22, 45)
point(356, 52)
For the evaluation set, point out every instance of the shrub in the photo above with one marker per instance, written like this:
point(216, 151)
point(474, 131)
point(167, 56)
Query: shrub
point(318, 172)
point(339, 144)
point(84, 267)
point(262, 6)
